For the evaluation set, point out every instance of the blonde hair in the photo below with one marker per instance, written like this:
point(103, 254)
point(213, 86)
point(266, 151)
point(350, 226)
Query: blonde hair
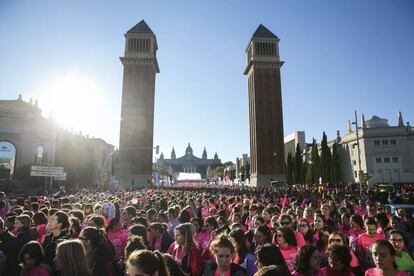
point(187, 230)
point(72, 255)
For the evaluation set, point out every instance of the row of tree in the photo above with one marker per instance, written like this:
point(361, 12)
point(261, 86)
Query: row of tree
point(323, 162)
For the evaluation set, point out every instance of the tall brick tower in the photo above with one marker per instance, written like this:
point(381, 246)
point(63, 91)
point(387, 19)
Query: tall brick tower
point(137, 111)
point(265, 108)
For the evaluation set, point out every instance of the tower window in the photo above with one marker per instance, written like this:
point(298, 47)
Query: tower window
point(393, 142)
point(385, 142)
point(395, 160)
point(376, 142)
point(139, 44)
point(386, 160)
point(265, 48)
point(378, 160)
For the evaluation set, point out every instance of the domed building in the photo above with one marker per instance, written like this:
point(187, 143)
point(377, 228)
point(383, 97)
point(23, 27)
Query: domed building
point(189, 163)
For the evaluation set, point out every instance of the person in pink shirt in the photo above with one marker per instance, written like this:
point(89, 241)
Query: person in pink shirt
point(338, 238)
point(116, 237)
point(286, 240)
point(362, 245)
point(339, 261)
point(306, 231)
point(357, 228)
point(185, 250)
point(286, 221)
point(252, 213)
point(210, 225)
point(308, 215)
point(236, 218)
point(267, 214)
point(204, 209)
point(40, 221)
point(383, 254)
point(199, 234)
point(345, 226)
point(360, 209)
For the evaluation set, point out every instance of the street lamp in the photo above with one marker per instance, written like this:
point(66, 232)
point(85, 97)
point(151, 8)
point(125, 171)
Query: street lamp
point(358, 150)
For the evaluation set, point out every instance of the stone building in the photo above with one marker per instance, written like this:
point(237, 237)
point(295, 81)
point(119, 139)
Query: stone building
point(27, 138)
point(189, 163)
point(386, 152)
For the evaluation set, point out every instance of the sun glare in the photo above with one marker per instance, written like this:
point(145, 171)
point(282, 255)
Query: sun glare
point(75, 103)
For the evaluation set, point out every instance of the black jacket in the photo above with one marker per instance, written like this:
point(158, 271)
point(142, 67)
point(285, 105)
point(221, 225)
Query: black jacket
point(49, 247)
point(8, 245)
point(24, 237)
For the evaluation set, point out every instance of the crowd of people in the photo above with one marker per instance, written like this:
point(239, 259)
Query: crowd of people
point(217, 231)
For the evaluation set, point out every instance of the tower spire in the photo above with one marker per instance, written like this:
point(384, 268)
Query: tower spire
point(364, 125)
point(349, 127)
point(204, 153)
point(400, 120)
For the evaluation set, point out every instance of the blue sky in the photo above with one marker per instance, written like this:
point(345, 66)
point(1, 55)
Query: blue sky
point(340, 56)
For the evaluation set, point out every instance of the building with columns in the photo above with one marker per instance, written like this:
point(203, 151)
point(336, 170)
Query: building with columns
point(265, 108)
point(386, 153)
point(189, 163)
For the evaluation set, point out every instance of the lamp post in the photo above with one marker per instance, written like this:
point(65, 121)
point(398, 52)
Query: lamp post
point(358, 150)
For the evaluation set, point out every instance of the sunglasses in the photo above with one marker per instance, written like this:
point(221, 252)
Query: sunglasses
point(284, 222)
point(303, 225)
point(335, 240)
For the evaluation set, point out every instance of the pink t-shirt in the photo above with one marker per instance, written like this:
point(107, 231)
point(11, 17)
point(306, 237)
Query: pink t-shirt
point(377, 272)
point(177, 252)
point(217, 272)
point(289, 253)
point(204, 213)
point(300, 239)
point(38, 271)
point(118, 242)
point(43, 233)
point(362, 246)
point(354, 260)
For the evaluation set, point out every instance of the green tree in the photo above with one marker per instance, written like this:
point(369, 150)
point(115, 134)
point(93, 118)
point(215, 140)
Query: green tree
point(289, 169)
point(216, 172)
point(298, 166)
point(326, 159)
point(313, 165)
point(335, 165)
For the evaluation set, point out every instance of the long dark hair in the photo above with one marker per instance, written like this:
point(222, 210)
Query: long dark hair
point(288, 236)
point(269, 254)
point(238, 235)
point(34, 250)
point(309, 234)
point(265, 231)
point(302, 260)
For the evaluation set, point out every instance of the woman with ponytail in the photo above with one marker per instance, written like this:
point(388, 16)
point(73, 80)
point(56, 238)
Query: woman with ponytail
point(145, 262)
point(58, 227)
point(98, 251)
